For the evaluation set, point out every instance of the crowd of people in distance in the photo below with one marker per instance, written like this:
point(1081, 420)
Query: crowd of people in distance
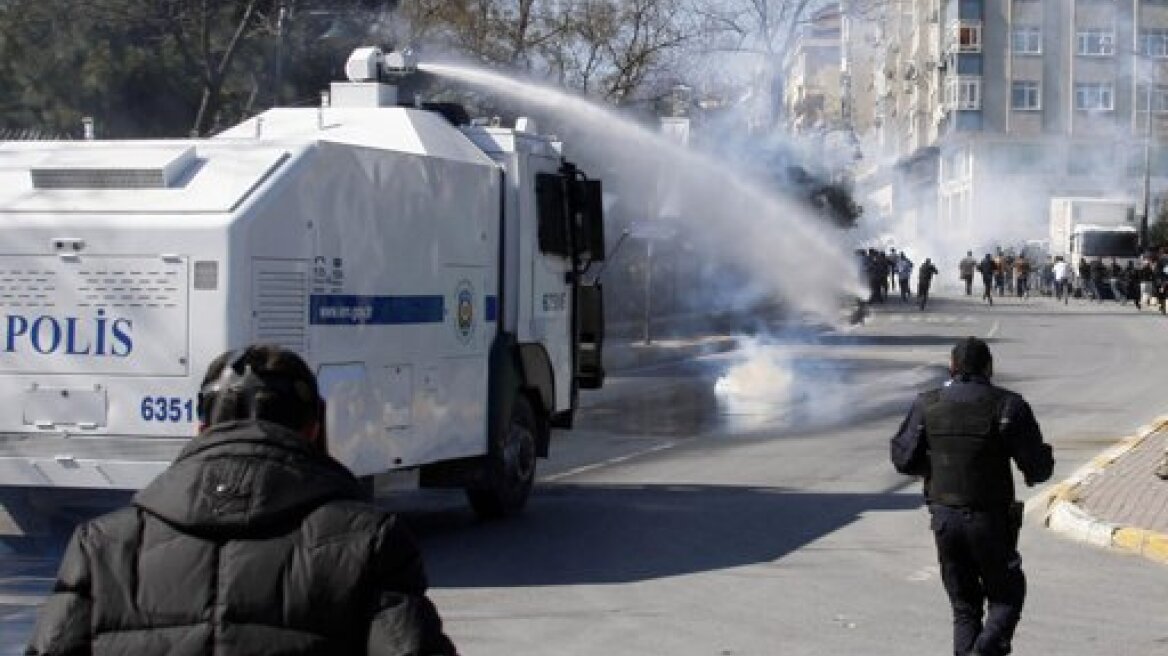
point(1137, 281)
point(885, 271)
point(1142, 282)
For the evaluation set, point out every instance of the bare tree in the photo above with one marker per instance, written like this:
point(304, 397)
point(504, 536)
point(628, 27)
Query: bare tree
point(204, 37)
point(648, 29)
point(762, 32)
point(503, 32)
point(607, 48)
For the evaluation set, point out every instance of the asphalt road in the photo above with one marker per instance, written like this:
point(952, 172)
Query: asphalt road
point(693, 526)
point(743, 503)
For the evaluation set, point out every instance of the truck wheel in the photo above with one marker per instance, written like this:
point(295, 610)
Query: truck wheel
point(509, 468)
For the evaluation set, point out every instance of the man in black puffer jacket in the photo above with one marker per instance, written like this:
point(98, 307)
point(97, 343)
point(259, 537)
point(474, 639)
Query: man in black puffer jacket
point(254, 541)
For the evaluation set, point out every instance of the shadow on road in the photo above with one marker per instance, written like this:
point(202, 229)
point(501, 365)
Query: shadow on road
point(595, 534)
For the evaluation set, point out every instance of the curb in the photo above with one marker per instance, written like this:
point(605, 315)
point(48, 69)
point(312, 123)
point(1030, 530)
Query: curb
point(1063, 515)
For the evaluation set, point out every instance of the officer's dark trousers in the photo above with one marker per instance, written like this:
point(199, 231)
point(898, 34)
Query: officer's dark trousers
point(978, 553)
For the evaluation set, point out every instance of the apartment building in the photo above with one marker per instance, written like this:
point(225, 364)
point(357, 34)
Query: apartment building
point(895, 46)
point(1020, 100)
point(812, 94)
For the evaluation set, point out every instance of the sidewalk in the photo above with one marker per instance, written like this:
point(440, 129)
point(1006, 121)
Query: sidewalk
point(1115, 501)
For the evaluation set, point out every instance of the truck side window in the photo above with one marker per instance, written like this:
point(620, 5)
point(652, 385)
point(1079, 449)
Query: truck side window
point(553, 224)
point(591, 201)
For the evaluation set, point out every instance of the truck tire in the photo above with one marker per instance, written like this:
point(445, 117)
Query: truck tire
point(510, 466)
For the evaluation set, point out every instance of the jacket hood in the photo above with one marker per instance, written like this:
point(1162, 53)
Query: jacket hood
point(243, 477)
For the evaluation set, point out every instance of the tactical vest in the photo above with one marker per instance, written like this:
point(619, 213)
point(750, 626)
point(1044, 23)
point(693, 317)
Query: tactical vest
point(969, 463)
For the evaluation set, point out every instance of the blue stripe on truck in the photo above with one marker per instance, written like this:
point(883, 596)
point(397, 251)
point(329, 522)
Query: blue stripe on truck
point(347, 310)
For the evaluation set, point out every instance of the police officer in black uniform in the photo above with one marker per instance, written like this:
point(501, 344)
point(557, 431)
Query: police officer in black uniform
point(961, 439)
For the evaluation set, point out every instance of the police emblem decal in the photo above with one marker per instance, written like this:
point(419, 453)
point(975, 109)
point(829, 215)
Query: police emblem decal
point(464, 321)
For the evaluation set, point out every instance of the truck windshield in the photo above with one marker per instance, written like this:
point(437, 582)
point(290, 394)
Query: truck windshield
point(1108, 244)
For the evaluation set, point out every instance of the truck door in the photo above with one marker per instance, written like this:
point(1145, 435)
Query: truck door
point(571, 232)
point(551, 286)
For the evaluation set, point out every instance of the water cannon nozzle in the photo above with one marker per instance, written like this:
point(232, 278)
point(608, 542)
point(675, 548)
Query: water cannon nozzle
point(401, 62)
point(371, 64)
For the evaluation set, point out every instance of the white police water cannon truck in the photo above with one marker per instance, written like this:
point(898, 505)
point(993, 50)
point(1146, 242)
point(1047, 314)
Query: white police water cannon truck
point(435, 276)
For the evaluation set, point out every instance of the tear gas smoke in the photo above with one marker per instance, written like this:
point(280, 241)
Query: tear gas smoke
point(769, 387)
point(726, 216)
point(993, 189)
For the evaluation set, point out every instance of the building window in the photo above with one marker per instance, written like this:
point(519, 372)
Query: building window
point(1027, 40)
point(1094, 97)
point(965, 36)
point(1158, 101)
point(963, 93)
point(1025, 95)
point(1096, 42)
point(969, 38)
point(1154, 42)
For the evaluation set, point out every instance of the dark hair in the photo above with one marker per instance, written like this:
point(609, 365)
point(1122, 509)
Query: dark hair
point(972, 356)
point(260, 382)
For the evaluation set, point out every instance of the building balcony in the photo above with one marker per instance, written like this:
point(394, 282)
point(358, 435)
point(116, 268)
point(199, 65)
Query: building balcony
point(963, 36)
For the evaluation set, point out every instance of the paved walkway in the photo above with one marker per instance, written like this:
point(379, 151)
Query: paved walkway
point(1127, 492)
point(1116, 501)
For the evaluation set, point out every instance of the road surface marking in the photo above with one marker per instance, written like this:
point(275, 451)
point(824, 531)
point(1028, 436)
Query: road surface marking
point(608, 463)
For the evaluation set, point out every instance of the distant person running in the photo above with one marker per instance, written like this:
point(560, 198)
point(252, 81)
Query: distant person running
point(1098, 273)
point(1007, 267)
point(1160, 280)
point(1046, 277)
point(966, 267)
point(874, 272)
point(1146, 274)
point(1062, 279)
point(1000, 274)
point(893, 261)
point(986, 268)
point(904, 269)
point(924, 280)
point(1084, 280)
point(1130, 283)
point(1022, 276)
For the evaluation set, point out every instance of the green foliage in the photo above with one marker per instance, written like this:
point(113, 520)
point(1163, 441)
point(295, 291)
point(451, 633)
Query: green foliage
point(142, 68)
point(64, 61)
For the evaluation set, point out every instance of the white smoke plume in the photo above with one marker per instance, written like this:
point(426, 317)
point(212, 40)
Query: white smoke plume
point(728, 215)
point(1005, 180)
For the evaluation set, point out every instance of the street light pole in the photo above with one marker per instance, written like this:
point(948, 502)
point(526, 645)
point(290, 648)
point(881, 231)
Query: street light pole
point(1143, 235)
point(648, 326)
